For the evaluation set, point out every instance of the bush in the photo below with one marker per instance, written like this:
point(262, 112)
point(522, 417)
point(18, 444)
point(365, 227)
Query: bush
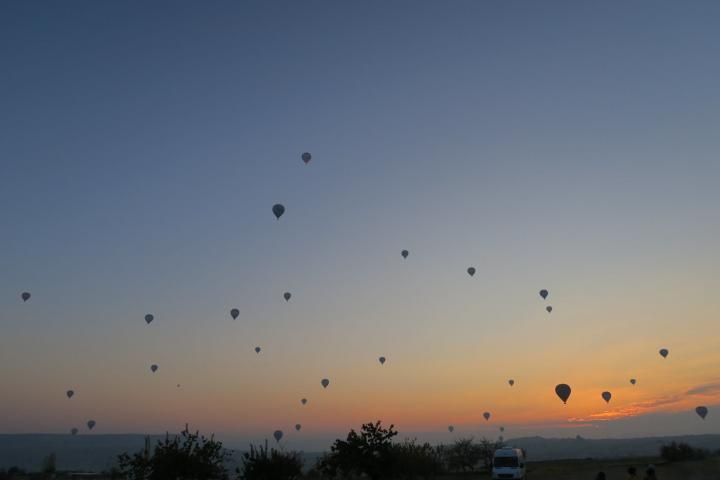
point(261, 464)
point(189, 456)
point(676, 452)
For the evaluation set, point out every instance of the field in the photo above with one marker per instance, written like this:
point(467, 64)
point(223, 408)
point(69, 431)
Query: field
point(708, 469)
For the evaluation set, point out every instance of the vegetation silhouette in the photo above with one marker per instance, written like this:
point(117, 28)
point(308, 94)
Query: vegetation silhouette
point(188, 456)
point(263, 464)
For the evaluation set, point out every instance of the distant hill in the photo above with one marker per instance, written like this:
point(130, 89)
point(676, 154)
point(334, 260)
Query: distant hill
point(99, 452)
point(539, 448)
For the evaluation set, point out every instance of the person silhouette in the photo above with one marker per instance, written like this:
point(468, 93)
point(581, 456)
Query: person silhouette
point(632, 473)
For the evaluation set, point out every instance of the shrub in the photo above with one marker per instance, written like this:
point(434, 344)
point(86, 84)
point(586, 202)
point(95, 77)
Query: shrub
point(189, 456)
point(261, 464)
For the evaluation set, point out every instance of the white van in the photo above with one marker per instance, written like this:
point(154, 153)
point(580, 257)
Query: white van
point(509, 463)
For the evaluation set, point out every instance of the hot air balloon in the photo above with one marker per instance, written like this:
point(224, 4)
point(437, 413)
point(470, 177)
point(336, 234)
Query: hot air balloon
point(381, 360)
point(511, 382)
point(306, 157)
point(303, 401)
point(298, 427)
point(287, 296)
point(234, 313)
point(404, 253)
point(149, 318)
point(606, 396)
point(91, 424)
point(73, 431)
point(70, 393)
point(544, 294)
point(563, 391)
point(549, 309)
point(178, 385)
point(664, 352)
point(702, 411)
point(25, 296)
point(257, 349)
point(633, 381)
point(486, 415)
point(502, 429)
point(451, 428)
point(324, 382)
point(471, 271)
point(278, 434)
point(153, 368)
point(278, 210)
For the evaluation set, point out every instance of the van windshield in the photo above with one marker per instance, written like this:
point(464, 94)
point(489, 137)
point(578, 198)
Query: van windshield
point(506, 462)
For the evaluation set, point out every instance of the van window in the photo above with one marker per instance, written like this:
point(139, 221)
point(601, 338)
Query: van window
point(506, 462)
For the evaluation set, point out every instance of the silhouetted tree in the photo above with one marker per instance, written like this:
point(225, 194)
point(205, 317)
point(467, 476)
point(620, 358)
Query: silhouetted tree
point(675, 452)
point(263, 464)
point(487, 451)
point(48, 464)
point(414, 460)
point(463, 455)
point(368, 453)
point(12, 473)
point(188, 456)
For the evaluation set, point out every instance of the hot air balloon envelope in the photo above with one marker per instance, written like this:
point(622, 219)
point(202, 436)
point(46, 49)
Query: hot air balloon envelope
point(544, 294)
point(298, 427)
point(306, 157)
point(149, 318)
point(471, 271)
point(287, 296)
point(324, 382)
point(91, 424)
point(25, 296)
point(381, 360)
point(404, 253)
point(664, 352)
point(278, 434)
point(234, 313)
point(451, 428)
point(278, 210)
point(70, 393)
point(702, 411)
point(606, 396)
point(563, 391)
point(486, 415)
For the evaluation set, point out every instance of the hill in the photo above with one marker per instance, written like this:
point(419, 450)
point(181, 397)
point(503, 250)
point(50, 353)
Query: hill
point(99, 452)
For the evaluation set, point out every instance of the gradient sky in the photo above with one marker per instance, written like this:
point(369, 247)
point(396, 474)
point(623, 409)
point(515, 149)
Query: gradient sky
point(568, 145)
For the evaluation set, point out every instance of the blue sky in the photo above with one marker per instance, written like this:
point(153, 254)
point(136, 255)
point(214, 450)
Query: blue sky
point(562, 145)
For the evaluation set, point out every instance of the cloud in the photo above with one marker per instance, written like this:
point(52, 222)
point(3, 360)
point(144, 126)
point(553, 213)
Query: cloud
point(633, 410)
point(712, 388)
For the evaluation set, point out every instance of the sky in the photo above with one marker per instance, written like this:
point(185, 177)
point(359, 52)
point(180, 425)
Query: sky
point(561, 145)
